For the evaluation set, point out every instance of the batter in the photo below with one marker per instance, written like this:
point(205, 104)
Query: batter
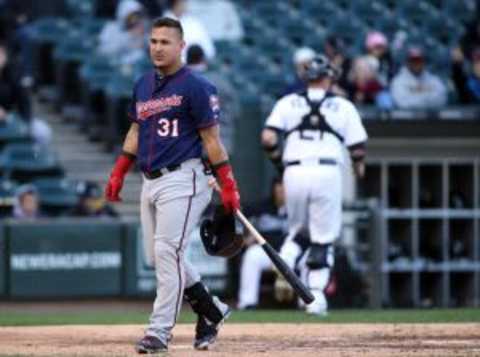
point(174, 115)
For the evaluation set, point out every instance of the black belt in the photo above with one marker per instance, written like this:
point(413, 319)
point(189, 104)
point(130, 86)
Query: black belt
point(160, 172)
point(320, 162)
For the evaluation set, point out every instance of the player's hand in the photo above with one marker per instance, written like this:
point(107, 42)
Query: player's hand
point(229, 190)
point(230, 198)
point(115, 182)
point(112, 191)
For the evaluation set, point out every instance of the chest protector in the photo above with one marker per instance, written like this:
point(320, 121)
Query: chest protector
point(315, 120)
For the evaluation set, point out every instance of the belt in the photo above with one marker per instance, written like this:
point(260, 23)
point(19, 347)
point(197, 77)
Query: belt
point(160, 172)
point(320, 162)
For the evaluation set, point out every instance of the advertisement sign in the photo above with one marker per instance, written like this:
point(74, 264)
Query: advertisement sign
point(65, 259)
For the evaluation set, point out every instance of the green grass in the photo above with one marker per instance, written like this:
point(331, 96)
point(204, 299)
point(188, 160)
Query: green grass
point(261, 316)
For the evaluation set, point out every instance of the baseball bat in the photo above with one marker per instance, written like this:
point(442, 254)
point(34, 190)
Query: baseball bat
point(297, 285)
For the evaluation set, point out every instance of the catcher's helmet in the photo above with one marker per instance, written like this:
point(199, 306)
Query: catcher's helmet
point(320, 67)
point(219, 236)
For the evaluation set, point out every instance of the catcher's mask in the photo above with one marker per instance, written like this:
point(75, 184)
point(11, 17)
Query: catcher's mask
point(219, 235)
point(321, 67)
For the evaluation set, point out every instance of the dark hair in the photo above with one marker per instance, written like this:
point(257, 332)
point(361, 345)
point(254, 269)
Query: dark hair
point(168, 22)
point(195, 55)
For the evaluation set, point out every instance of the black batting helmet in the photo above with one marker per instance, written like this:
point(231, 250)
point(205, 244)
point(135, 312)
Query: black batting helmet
point(320, 67)
point(219, 235)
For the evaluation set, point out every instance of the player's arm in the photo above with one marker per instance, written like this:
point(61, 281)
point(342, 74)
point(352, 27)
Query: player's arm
point(123, 164)
point(271, 145)
point(218, 157)
point(355, 138)
point(271, 134)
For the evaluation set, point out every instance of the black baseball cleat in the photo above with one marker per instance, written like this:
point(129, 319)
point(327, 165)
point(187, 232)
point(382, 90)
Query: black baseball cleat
point(149, 345)
point(206, 332)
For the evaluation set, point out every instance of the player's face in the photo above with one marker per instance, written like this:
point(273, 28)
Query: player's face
point(166, 46)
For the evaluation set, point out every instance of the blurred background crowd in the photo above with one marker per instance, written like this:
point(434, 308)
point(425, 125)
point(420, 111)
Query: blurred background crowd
point(83, 57)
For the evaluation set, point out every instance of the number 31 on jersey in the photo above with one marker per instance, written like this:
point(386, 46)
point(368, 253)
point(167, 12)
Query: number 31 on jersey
point(168, 128)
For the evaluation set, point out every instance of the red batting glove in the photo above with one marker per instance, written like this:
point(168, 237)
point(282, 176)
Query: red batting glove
point(229, 193)
point(115, 182)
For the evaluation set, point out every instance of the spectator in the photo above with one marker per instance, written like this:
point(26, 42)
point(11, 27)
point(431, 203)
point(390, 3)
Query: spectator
point(371, 73)
point(12, 94)
point(124, 40)
point(227, 25)
point(92, 202)
point(471, 39)
point(227, 95)
point(334, 49)
point(378, 49)
point(26, 204)
point(466, 77)
point(193, 30)
point(15, 96)
point(269, 217)
point(301, 58)
point(14, 19)
point(416, 88)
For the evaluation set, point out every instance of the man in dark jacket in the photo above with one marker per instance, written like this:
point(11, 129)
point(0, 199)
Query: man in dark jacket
point(13, 95)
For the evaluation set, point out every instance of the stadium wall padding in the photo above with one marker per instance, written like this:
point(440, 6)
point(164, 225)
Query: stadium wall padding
point(65, 259)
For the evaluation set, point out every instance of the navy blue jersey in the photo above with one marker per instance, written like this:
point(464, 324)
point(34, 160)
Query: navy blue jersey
point(170, 110)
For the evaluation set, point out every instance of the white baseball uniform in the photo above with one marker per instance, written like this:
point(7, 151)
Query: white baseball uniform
point(313, 159)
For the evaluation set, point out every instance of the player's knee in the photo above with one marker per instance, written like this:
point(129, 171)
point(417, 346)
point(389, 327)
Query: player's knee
point(320, 256)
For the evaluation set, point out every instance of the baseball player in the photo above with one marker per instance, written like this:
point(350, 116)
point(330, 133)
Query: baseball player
point(315, 125)
point(174, 113)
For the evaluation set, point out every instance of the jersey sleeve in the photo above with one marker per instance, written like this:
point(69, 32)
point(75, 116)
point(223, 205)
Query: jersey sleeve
point(205, 105)
point(355, 132)
point(276, 119)
point(132, 106)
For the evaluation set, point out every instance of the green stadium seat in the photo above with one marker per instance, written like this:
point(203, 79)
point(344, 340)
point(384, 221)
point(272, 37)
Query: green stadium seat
point(88, 26)
point(24, 162)
point(7, 197)
point(57, 195)
point(75, 47)
point(390, 23)
point(445, 29)
point(315, 39)
point(84, 8)
point(97, 71)
point(416, 11)
point(460, 10)
point(435, 3)
point(120, 86)
point(49, 29)
point(370, 12)
point(348, 28)
point(12, 130)
point(321, 12)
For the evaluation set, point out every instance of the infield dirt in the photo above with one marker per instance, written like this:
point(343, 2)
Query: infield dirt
point(332, 340)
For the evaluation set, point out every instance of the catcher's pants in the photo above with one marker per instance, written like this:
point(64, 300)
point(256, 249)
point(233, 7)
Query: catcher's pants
point(254, 262)
point(314, 203)
point(171, 206)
